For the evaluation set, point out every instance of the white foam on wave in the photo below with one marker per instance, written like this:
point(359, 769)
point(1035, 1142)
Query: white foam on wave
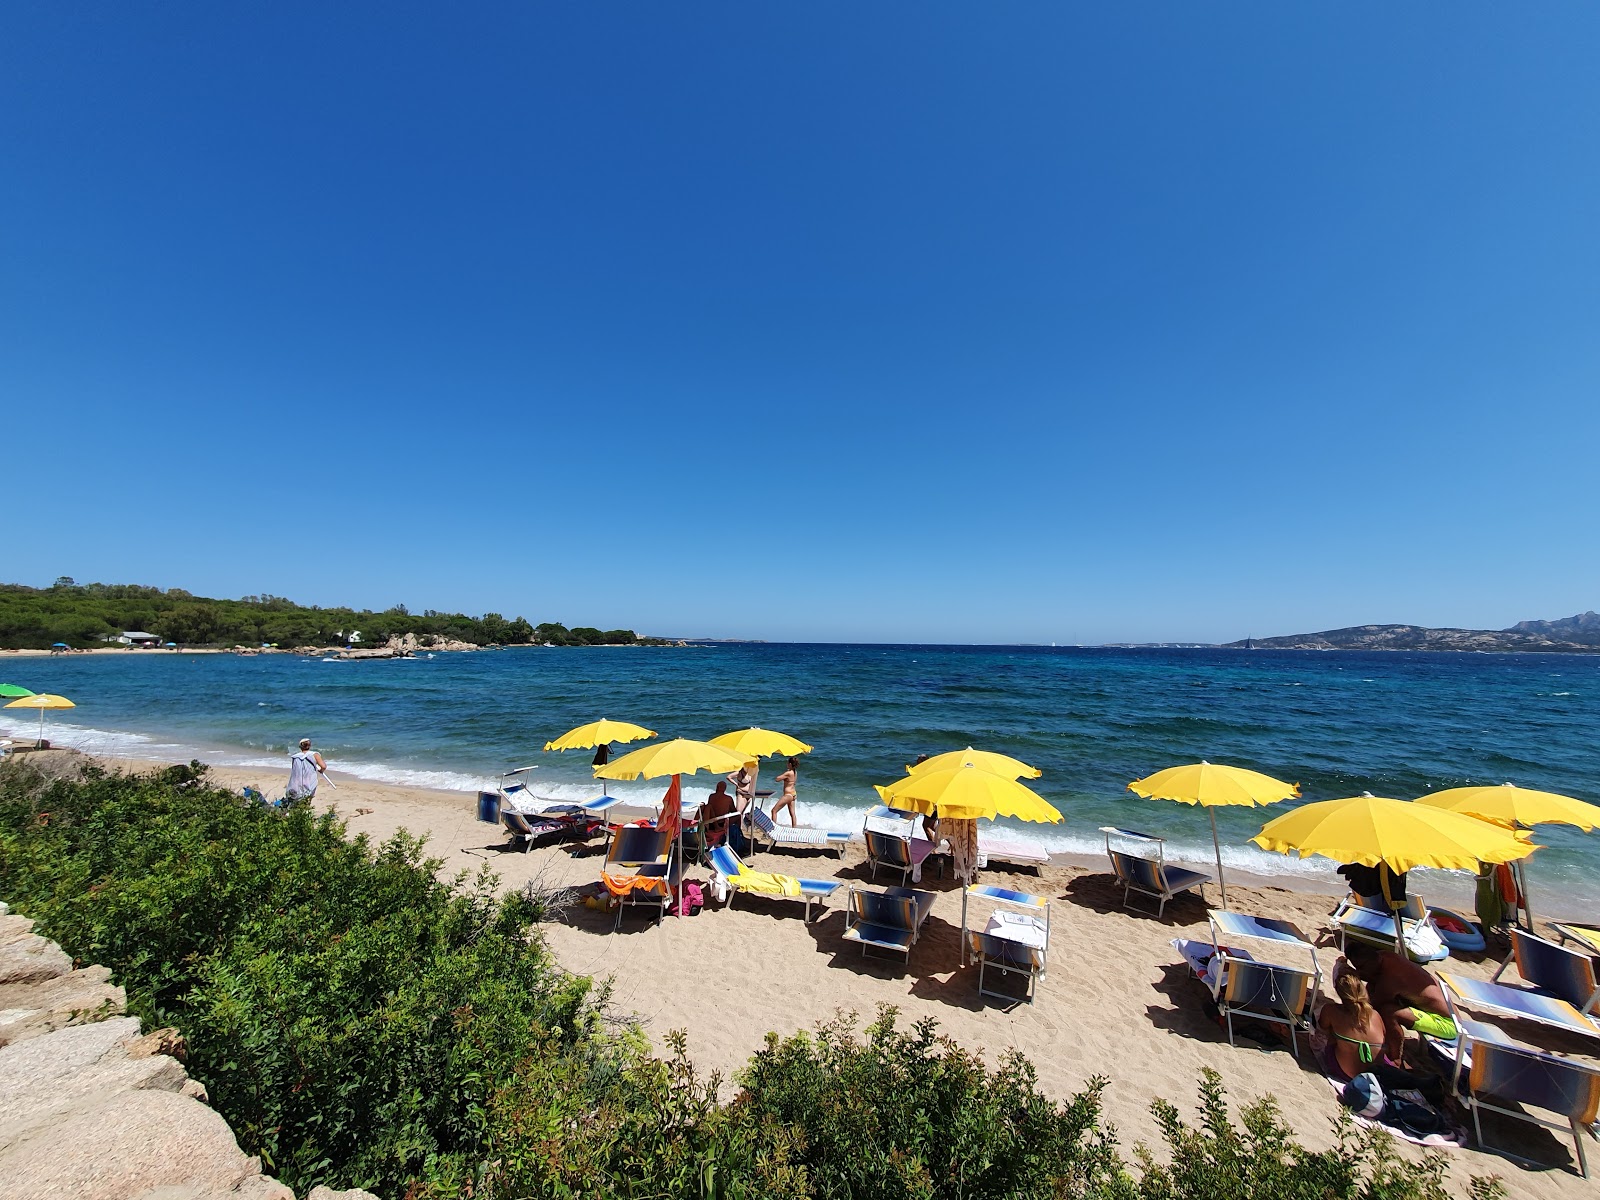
point(107, 743)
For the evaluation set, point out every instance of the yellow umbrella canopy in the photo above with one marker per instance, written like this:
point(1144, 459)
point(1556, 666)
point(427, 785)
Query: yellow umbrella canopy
point(1507, 804)
point(1000, 764)
point(677, 757)
point(760, 743)
point(1519, 808)
point(599, 733)
point(42, 701)
point(967, 792)
point(1213, 785)
point(1371, 829)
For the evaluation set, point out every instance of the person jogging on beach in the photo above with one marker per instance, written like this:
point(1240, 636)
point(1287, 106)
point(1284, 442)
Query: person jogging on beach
point(305, 771)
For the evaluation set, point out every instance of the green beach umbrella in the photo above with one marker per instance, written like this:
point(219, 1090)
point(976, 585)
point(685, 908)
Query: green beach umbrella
point(10, 691)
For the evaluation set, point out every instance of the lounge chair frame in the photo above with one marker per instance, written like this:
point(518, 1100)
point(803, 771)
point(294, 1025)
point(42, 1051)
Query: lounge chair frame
point(729, 865)
point(1151, 877)
point(760, 827)
point(888, 920)
point(1578, 988)
point(1006, 955)
point(1414, 913)
point(1487, 1047)
point(648, 852)
point(1246, 975)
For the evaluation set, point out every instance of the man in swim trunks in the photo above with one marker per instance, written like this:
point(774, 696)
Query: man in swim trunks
point(1406, 995)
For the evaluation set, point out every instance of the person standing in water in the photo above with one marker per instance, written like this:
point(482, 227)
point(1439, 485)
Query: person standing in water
point(306, 768)
point(786, 800)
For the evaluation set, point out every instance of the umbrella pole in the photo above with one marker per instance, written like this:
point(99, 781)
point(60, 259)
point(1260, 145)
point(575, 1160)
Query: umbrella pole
point(1399, 918)
point(1522, 890)
point(1217, 846)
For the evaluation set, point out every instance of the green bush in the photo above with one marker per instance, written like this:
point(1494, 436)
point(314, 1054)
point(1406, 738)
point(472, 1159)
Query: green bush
point(362, 1023)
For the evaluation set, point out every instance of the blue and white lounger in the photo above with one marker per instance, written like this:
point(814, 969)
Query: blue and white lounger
point(1553, 970)
point(764, 828)
point(763, 883)
point(888, 920)
point(1013, 943)
point(1149, 876)
point(1525, 1003)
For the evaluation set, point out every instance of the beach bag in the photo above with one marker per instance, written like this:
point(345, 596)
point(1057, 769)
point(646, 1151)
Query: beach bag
point(719, 887)
point(690, 900)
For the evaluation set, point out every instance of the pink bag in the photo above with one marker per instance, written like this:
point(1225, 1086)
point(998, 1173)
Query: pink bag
point(691, 899)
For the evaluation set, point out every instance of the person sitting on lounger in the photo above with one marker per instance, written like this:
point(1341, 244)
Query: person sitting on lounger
point(1356, 1035)
point(718, 804)
point(1406, 995)
point(786, 800)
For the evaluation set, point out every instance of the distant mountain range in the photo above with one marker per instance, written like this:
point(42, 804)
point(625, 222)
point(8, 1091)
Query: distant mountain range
point(1567, 635)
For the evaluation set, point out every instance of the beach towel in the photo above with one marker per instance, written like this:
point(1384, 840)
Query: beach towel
point(621, 885)
point(768, 883)
point(1404, 1109)
point(672, 808)
point(962, 834)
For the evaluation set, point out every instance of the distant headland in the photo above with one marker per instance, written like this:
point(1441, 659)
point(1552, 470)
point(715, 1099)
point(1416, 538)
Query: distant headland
point(1579, 634)
point(72, 616)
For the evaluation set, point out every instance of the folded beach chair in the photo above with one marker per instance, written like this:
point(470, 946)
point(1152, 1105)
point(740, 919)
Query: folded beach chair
point(1423, 943)
point(763, 828)
point(1525, 1003)
point(1013, 943)
point(765, 883)
point(637, 871)
point(1149, 876)
point(1501, 1069)
point(1264, 990)
point(1553, 970)
point(890, 919)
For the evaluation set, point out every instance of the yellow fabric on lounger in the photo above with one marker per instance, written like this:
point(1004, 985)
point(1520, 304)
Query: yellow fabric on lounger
point(768, 884)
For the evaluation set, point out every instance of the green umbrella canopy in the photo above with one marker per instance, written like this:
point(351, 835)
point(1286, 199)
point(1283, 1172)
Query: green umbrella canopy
point(11, 691)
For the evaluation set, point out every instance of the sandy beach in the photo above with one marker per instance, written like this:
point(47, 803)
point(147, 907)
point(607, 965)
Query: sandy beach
point(1117, 1000)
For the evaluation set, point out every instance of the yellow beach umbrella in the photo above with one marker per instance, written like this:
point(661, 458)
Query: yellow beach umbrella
point(1213, 785)
point(677, 757)
point(1396, 834)
point(1517, 808)
point(760, 743)
point(1507, 804)
point(967, 792)
point(1000, 764)
point(42, 701)
point(599, 733)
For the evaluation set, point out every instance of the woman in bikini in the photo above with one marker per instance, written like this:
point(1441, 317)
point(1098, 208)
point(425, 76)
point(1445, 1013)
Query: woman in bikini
point(1357, 1032)
point(786, 800)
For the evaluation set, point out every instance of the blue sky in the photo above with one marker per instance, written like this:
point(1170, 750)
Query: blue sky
point(883, 322)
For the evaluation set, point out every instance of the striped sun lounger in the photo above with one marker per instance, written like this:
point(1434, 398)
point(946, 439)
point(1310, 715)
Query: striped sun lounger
point(1235, 924)
point(1370, 925)
point(1587, 936)
point(1013, 943)
point(1553, 970)
point(761, 883)
point(888, 920)
point(1524, 1003)
point(765, 829)
point(1498, 1068)
point(1011, 850)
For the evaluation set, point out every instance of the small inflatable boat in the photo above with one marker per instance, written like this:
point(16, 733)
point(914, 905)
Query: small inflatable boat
point(1460, 934)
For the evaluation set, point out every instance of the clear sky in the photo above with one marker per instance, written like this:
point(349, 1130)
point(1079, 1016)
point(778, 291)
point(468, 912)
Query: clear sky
point(887, 321)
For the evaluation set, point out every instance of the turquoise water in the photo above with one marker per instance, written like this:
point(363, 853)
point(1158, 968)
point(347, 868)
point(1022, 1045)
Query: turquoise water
point(1338, 723)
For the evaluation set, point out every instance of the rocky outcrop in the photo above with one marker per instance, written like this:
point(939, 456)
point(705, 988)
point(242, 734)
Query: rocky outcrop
point(1569, 635)
point(91, 1108)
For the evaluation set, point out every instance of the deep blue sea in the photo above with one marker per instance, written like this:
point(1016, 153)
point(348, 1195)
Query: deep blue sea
point(1338, 722)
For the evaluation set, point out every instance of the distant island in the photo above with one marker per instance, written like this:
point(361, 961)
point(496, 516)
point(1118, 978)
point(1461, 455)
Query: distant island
point(85, 616)
point(1579, 634)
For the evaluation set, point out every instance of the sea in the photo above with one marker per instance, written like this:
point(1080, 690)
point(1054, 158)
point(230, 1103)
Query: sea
point(1093, 719)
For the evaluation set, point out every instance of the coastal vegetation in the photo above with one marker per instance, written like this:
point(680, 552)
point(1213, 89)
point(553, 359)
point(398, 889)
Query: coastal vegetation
point(361, 1022)
point(84, 615)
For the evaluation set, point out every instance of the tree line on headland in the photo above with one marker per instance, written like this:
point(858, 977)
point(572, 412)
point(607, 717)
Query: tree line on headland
point(85, 615)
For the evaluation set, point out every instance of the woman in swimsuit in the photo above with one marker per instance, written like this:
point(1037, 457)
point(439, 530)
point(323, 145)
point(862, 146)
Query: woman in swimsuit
point(786, 800)
point(1354, 1025)
point(1357, 1032)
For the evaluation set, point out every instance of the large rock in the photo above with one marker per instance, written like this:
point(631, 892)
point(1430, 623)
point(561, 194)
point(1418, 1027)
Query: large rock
point(327, 1193)
point(31, 1009)
point(28, 958)
point(139, 1145)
